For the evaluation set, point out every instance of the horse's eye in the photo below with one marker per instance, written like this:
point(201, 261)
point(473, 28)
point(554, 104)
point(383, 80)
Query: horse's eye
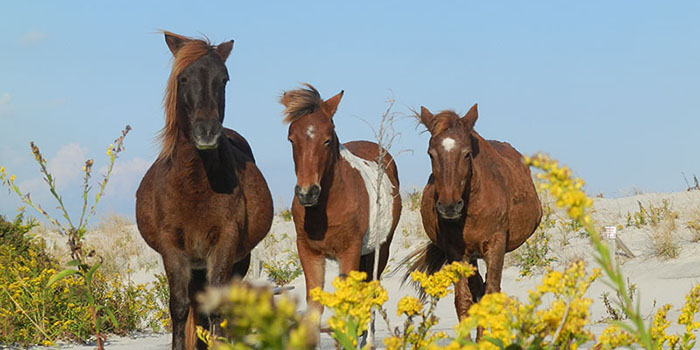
point(182, 80)
point(327, 142)
point(225, 81)
point(467, 155)
point(290, 141)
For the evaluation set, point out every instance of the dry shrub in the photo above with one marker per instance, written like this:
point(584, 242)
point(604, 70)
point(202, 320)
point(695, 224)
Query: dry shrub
point(414, 199)
point(413, 236)
point(694, 225)
point(663, 241)
point(120, 246)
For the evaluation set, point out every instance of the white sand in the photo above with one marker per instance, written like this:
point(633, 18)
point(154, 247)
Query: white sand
point(662, 281)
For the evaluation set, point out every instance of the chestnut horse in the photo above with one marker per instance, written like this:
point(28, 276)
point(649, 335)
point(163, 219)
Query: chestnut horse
point(335, 203)
point(203, 205)
point(480, 202)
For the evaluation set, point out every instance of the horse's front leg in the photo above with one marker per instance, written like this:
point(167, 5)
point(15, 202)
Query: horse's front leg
point(177, 269)
point(349, 259)
point(467, 292)
point(494, 255)
point(463, 298)
point(223, 264)
point(314, 265)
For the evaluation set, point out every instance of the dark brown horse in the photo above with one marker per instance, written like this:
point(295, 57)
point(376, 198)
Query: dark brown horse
point(335, 203)
point(479, 202)
point(203, 205)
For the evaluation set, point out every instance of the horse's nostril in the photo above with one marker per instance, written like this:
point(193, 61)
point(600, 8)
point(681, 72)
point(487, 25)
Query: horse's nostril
point(297, 190)
point(314, 190)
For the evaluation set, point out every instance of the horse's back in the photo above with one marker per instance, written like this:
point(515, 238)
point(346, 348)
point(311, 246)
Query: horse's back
point(146, 204)
point(524, 208)
point(370, 151)
point(239, 142)
point(258, 199)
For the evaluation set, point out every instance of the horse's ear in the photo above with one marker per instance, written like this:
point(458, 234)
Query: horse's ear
point(426, 118)
point(470, 118)
point(284, 99)
point(174, 41)
point(224, 49)
point(331, 105)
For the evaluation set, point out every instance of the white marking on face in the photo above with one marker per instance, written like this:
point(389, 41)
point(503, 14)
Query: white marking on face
point(310, 131)
point(448, 143)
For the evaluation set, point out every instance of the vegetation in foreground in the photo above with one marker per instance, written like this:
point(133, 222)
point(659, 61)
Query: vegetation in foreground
point(554, 316)
point(42, 302)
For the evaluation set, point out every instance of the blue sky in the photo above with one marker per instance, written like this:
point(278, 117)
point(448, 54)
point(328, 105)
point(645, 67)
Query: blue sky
point(610, 88)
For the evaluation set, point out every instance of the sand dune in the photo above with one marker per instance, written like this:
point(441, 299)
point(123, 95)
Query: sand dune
point(660, 281)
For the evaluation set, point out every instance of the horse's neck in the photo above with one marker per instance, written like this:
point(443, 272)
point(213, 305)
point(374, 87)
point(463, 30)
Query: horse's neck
point(479, 167)
point(214, 168)
point(333, 179)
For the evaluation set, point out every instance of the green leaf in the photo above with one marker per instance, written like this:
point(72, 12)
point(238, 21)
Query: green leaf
point(343, 340)
point(493, 341)
point(75, 262)
point(111, 317)
point(88, 275)
point(352, 329)
point(57, 277)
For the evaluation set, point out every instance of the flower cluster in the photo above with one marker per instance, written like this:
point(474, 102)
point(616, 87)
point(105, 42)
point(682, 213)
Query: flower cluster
point(32, 313)
point(418, 334)
point(409, 306)
point(567, 191)
point(437, 285)
point(351, 302)
point(253, 319)
point(613, 336)
point(561, 324)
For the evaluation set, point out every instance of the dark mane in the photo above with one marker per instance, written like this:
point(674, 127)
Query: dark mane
point(441, 122)
point(300, 102)
point(191, 50)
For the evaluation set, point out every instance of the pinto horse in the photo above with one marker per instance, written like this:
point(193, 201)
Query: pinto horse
point(203, 205)
point(480, 202)
point(335, 204)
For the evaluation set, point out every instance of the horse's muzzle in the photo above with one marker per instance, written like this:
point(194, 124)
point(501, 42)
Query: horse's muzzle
point(308, 197)
point(206, 134)
point(450, 211)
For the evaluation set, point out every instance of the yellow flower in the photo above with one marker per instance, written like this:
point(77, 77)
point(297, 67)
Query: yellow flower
point(614, 337)
point(393, 343)
point(409, 305)
point(351, 301)
point(437, 284)
point(12, 178)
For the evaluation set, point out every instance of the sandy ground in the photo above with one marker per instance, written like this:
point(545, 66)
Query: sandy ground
point(659, 281)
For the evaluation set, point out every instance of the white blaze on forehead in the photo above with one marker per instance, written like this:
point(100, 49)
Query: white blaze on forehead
point(310, 131)
point(448, 143)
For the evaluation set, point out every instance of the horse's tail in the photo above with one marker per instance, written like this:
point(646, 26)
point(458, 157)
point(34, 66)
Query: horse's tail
point(190, 331)
point(428, 259)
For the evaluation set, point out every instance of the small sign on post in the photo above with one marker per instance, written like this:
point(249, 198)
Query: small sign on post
point(611, 232)
point(611, 235)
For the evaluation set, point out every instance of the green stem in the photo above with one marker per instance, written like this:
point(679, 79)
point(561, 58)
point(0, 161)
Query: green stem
point(21, 309)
